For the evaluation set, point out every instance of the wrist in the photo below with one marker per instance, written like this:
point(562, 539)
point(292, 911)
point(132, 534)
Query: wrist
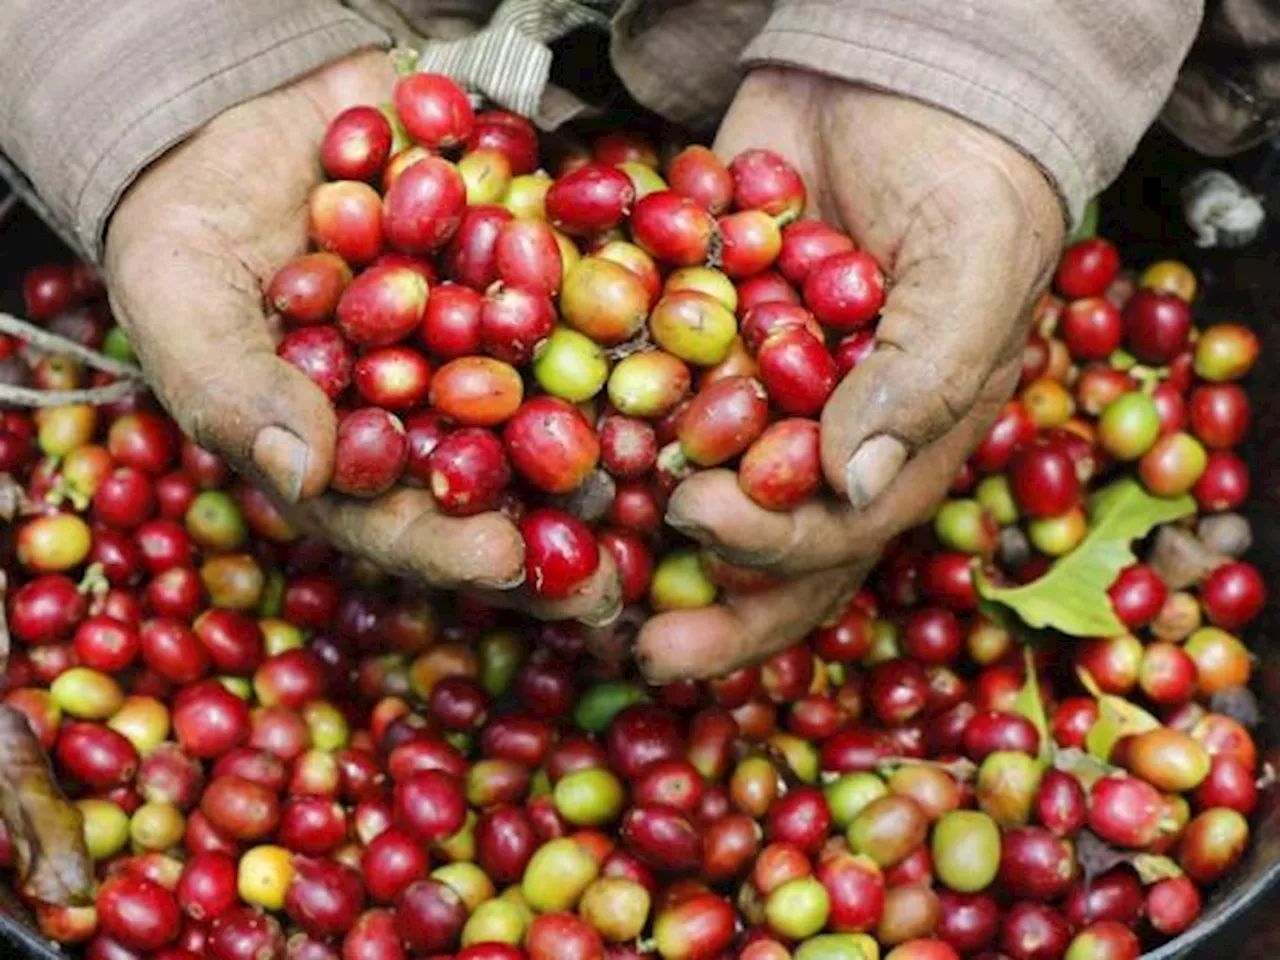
point(364, 77)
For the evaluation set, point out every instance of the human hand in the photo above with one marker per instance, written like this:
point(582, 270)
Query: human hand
point(189, 251)
point(967, 230)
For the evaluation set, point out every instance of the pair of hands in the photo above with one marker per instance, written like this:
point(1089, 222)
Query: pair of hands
point(967, 228)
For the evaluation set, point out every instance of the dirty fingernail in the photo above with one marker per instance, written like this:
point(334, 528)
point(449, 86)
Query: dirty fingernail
point(690, 529)
point(872, 467)
point(282, 456)
point(502, 584)
point(603, 617)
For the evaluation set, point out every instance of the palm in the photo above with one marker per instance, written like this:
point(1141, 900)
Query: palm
point(967, 230)
point(202, 232)
point(189, 252)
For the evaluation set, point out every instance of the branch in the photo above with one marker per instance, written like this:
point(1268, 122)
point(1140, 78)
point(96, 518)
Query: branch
point(52, 343)
point(30, 397)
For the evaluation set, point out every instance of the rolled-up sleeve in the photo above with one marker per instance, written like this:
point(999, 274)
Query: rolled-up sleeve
point(95, 91)
point(1072, 83)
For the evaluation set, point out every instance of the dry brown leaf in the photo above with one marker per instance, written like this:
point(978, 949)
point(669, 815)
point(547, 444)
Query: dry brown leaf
point(1181, 560)
point(45, 830)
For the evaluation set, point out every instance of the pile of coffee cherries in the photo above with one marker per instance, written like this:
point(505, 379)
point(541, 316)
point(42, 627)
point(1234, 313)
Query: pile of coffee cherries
point(509, 340)
point(280, 753)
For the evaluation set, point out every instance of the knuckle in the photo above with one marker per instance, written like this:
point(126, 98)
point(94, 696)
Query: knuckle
point(406, 527)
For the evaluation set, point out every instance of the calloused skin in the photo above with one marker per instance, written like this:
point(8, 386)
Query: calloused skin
point(188, 253)
point(968, 231)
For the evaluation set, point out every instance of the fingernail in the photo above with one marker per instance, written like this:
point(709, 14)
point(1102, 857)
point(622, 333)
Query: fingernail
point(756, 559)
point(282, 456)
point(502, 584)
point(603, 618)
point(872, 467)
point(687, 527)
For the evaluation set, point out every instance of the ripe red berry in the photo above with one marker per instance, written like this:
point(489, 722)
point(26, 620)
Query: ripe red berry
point(434, 110)
point(345, 218)
point(396, 378)
point(1233, 595)
point(527, 257)
point(323, 354)
point(797, 370)
point(1219, 414)
point(805, 244)
point(592, 199)
point(560, 553)
point(382, 305)
point(47, 290)
point(1137, 595)
point(697, 173)
point(551, 444)
point(468, 471)
point(846, 290)
point(763, 180)
point(783, 468)
point(514, 323)
point(423, 208)
point(370, 452)
point(356, 145)
point(1091, 328)
point(672, 228)
point(306, 290)
point(509, 134)
point(1087, 269)
point(1043, 480)
point(451, 322)
point(1157, 326)
point(471, 256)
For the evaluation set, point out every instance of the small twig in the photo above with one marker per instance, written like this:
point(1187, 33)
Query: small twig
point(30, 397)
point(7, 205)
point(52, 343)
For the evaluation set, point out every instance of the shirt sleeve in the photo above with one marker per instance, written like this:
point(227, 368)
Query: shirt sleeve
point(94, 91)
point(1072, 83)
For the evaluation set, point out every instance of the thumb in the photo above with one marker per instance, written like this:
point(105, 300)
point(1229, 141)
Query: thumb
point(199, 329)
point(950, 334)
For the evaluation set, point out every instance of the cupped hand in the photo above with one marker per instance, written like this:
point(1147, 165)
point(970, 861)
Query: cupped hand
point(967, 230)
point(188, 252)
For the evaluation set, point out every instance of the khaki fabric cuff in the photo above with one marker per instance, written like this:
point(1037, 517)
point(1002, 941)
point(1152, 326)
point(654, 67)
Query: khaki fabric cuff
point(1048, 77)
point(102, 90)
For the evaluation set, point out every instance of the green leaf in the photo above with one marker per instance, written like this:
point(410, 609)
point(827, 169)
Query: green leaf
point(116, 345)
point(404, 60)
point(1029, 704)
point(1122, 360)
point(604, 701)
point(1152, 869)
point(1096, 856)
point(962, 769)
point(1085, 767)
point(1117, 719)
point(1088, 227)
point(1072, 596)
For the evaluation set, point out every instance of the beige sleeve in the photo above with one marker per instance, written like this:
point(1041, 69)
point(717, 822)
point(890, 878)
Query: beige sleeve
point(94, 91)
point(1073, 83)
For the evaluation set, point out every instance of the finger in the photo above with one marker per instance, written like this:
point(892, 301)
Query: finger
point(744, 628)
point(597, 602)
point(966, 254)
point(950, 321)
point(614, 643)
point(711, 508)
point(196, 321)
point(405, 535)
point(779, 109)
